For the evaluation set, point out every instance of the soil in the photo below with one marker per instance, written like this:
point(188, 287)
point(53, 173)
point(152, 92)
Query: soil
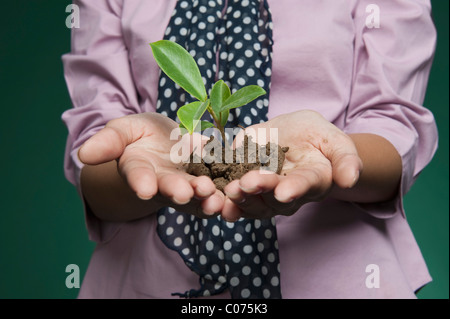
point(245, 158)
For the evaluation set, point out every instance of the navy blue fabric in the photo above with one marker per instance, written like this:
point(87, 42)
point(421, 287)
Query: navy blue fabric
point(230, 40)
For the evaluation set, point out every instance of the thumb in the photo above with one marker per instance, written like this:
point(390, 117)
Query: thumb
point(108, 144)
point(345, 161)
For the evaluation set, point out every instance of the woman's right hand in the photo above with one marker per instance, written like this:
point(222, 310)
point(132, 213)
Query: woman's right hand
point(141, 145)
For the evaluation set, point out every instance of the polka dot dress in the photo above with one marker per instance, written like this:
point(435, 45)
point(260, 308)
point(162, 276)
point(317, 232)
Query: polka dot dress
point(232, 41)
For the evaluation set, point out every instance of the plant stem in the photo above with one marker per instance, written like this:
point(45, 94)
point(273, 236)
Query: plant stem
point(218, 125)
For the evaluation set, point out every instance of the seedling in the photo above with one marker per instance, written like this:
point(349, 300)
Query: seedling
point(181, 67)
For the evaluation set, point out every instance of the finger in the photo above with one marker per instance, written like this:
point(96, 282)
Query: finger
point(343, 155)
point(110, 142)
point(213, 204)
point(258, 181)
point(139, 174)
point(176, 187)
point(234, 192)
point(106, 145)
point(203, 187)
point(230, 211)
point(313, 183)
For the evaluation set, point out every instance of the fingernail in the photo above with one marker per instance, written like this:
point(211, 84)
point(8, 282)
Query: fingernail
point(254, 191)
point(178, 202)
point(282, 199)
point(355, 179)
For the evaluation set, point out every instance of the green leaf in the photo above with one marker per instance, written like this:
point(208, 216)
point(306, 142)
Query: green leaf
point(191, 113)
point(224, 117)
point(219, 94)
point(180, 66)
point(183, 129)
point(205, 125)
point(242, 97)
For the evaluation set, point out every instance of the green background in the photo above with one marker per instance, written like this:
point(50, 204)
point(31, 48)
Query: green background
point(41, 220)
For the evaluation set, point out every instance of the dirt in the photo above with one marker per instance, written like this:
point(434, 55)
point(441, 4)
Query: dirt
point(223, 169)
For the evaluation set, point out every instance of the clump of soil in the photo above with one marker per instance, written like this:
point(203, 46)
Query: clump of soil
point(224, 166)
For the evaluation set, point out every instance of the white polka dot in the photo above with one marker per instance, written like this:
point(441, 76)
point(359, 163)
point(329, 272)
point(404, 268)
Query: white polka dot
point(202, 259)
point(248, 228)
point(248, 53)
point(247, 120)
point(201, 43)
point(247, 37)
point(271, 257)
point(227, 245)
point(245, 293)
point(238, 45)
point(202, 9)
point(236, 258)
point(246, 20)
point(169, 231)
point(177, 242)
point(215, 230)
point(184, 4)
point(183, 31)
point(234, 281)
point(268, 233)
point(257, 282)
point(202, 25)
point(254, 111)
point(247, 249)
point(185, 251)
point(241, 81)
point(238, 237)
point(178, 21)
point(274, 281)
point(210, 36)
point(209, 245)
point(229, 225)
point(215, 268)
point(187, 228)
point(161, 219)
point(260, 104)
point(246, 270)
point(266, 293)
point(240, 63)
point(237, 29)
point(264, 270)
point(221, 279)
point(260, 247)
point(221, 254)
point(211, 19)
point(180, 219)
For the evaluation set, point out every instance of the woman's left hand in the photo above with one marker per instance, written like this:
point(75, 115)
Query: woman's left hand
point(320, 156)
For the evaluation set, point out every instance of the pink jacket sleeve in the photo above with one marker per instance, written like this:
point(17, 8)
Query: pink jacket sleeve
point(98, 77)
point(390, 75)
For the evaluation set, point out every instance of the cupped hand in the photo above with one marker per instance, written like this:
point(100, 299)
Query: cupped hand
point(141, 144)
point(320, 155)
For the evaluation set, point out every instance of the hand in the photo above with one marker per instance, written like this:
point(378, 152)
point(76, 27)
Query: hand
point(141, 145)
point(320, 155)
